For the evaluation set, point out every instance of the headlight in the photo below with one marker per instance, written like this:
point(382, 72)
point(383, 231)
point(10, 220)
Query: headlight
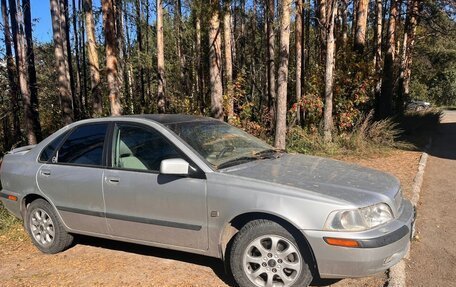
point(359, 219)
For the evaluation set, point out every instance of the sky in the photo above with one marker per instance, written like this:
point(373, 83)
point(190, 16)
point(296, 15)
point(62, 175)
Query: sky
point(41, 15)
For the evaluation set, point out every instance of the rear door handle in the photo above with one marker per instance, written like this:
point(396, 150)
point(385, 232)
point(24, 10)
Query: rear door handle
point(112, 180)
point(45, 172)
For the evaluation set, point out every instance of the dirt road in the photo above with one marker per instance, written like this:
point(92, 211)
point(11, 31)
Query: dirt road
point(433, 255)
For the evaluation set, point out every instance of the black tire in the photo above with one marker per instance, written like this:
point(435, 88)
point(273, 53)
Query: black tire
point(261, 230)
point(60, 239)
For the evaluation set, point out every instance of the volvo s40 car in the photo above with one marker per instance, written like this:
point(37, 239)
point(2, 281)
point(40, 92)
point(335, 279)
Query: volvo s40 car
point(199, 185)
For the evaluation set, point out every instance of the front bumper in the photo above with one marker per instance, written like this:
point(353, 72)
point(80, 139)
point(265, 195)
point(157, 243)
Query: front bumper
point(379, 249)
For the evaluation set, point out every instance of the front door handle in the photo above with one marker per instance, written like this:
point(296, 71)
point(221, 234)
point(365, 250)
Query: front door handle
point(45, 172)
point(112, 180)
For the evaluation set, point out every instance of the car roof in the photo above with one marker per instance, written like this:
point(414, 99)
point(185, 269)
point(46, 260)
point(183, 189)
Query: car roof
point(171, 118)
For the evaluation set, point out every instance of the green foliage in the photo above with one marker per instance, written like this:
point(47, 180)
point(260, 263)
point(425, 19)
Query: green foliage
point(434, 62)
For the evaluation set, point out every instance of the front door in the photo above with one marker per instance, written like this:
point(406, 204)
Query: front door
point(144, 205)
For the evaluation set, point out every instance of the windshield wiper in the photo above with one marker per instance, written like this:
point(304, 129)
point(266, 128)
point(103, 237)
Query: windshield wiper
point(270, 153)
point(237, 161)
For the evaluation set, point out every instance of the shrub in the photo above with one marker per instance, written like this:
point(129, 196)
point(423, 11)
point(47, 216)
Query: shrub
point(367, 137)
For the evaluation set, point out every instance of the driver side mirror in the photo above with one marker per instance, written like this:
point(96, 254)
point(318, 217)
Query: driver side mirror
point(174, 166)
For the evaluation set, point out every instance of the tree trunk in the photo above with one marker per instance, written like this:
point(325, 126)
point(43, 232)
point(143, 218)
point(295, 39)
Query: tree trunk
point(406, 59)
point(242, 39)
point(228, 59)
point(329, 72)
point(126, 57)
point(142, 94)
point(82, 32)
point(118, 12)
point(111, 56)
point(129, 82)
point(180, 52)
point(282, 79)
point(271, 57)
point(344, 15)
point(378, 37)
point(200, 78)
point(361, 25)
point(34, 106)
point(17, 27)
point(298, 48)
point(12, 80)
point(215, 62)
point(79, 83)
point(160, 59)
point(93, 60)
point(66, 99)
point(385, 101)
point(68, 55)
point(306, 55)
point(322, 27)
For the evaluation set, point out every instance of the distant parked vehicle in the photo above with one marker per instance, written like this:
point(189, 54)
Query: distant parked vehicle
point(417, 105)
point(199, 185)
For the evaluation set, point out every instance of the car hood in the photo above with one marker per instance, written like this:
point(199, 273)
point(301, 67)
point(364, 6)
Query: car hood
point(339, 180)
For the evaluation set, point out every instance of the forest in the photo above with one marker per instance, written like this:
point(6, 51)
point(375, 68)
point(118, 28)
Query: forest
point(280, 69)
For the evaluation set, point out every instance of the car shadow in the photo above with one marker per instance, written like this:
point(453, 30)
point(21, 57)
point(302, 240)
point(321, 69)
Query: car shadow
point(215, 264)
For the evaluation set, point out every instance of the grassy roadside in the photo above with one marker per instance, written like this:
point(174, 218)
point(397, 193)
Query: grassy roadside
point(11, 229)
point(369, 138)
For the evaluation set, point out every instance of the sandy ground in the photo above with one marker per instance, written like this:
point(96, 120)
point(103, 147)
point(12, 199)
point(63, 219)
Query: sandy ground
point(433, 255)
point(95, 262)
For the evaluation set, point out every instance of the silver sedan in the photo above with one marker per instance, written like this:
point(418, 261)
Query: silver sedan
point(199, 185)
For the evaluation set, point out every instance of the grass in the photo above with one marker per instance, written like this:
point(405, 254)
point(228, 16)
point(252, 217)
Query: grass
point(7, 220)
point(369, 138)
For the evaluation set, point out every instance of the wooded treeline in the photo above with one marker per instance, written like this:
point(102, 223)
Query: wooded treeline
point(264, 65)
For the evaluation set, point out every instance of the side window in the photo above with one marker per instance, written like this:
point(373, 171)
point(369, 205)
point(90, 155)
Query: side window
point(49, 150)
point(84, 146)
point(140, 148)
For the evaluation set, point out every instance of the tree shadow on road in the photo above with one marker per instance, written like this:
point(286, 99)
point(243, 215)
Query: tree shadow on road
point(444, 141)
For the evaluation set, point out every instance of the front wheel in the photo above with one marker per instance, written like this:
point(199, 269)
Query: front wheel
point(45, 228)
point(265, 254)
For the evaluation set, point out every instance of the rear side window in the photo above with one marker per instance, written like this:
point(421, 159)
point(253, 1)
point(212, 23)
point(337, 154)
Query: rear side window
point(49, 150)
point(84, 146)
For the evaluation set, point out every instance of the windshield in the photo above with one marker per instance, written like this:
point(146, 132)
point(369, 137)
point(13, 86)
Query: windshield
point(220, 144)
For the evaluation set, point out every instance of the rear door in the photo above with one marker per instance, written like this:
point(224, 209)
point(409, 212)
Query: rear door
point(144, 205)
point(72, 177)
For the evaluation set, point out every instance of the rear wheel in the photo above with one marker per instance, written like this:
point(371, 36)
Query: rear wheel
point(45, 228)
point(265, 254)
